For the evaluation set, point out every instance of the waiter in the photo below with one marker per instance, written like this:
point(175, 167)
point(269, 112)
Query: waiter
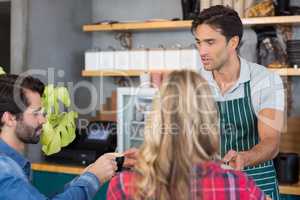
point(250, 97)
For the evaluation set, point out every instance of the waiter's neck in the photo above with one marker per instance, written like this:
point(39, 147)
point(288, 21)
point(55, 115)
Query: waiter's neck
point(228, 74)
point(229, 71)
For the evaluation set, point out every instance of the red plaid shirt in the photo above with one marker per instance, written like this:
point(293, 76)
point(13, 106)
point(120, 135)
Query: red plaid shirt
point(209, 182)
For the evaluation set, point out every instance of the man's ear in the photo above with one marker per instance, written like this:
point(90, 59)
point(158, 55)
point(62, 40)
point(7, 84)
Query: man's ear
point(234, 42)
point(8, 119)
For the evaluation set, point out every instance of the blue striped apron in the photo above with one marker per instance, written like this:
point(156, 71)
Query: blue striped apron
point(239, 132)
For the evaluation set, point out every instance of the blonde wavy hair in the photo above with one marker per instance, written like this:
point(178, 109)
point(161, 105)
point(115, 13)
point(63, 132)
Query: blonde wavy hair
point(181, 130)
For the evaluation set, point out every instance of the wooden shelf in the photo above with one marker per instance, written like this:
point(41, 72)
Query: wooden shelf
point(286, 71)
point(155, 25)
point(117, 73)
point(171, 25)
point(271, 20)
point(133, 73)
point(290, 189)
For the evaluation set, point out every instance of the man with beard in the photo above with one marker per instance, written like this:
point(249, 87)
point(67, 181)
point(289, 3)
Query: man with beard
point(250, 97)
point(21, 120)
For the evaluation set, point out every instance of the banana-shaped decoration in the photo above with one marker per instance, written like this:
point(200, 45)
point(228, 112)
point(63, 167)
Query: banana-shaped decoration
point(59, 130)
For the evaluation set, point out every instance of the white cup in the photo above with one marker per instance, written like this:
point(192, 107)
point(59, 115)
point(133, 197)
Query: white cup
point(122, 60)
point(107, 60)
point(138, 59)
point(91, 60)
point(189, 58)
point(172, 59)
point(156, 59)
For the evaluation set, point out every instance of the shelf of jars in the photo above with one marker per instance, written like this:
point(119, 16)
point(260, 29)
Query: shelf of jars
point(182, 24)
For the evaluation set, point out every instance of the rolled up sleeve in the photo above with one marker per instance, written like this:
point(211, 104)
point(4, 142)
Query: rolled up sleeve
point(268, 92)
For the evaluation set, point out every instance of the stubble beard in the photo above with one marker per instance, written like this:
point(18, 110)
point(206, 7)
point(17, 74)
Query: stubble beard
point(27, 134)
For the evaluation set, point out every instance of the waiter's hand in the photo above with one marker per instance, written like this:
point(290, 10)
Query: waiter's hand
point(268, 197)
point(104, 167)
point(234, 159)
point(131, 156)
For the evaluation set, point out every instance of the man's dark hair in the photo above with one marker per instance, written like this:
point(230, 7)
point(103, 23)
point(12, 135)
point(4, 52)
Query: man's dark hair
point(221, 17)
point(12, 93)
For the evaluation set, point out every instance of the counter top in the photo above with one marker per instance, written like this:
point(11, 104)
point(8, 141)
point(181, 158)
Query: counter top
point(69, 169)
point(57, 168)
point(293, 189)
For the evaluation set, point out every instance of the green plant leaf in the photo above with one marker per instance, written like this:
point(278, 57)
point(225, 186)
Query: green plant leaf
point(59, 130)
point(2, 71)
point(67, 129)
point(48, 99)
point(63, 131)
point(47, 134)
point(63, 95)
point(54, 146)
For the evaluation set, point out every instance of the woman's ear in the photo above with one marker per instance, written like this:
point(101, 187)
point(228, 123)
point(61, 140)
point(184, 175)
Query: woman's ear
point(8, 119)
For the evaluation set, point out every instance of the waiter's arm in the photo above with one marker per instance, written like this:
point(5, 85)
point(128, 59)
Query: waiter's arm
point(270, 125)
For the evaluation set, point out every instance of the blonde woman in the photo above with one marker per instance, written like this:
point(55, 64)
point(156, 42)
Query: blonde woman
point(181, 144)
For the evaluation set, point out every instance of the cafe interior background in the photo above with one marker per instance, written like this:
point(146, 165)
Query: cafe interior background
point(66, 40)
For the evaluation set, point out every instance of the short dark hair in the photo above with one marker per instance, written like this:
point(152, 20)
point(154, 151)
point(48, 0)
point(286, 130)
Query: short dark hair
point(221, 17)
point(12, 85)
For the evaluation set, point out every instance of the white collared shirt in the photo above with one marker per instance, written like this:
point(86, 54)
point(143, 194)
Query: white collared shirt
point(267, 90)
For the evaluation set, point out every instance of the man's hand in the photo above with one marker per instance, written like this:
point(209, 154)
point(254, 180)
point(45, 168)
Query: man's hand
point(236, 160)
point(104, 167)
point(131, 156)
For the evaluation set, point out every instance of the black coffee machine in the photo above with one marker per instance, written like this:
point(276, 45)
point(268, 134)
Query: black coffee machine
point(90, 143)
